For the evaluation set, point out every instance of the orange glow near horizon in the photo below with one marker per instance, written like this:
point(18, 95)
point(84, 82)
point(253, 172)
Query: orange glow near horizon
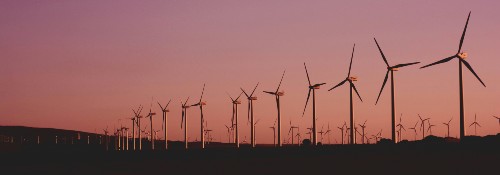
point(83, 65)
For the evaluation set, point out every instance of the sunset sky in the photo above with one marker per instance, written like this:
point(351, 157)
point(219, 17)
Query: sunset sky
point(83, 65)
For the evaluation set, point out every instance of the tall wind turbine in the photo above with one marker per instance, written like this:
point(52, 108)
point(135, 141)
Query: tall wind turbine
point(165, 119)
point(234, 118)
point(184, 120)
point(448, 127)
point(461, 56)
point(250, 99)
point(277, 95)
point(313, 89)
point(350, 79)
point(475, 123)
point(391, 69)
point(202, 129)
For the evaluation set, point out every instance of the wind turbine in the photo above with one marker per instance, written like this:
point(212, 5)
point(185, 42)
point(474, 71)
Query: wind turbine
point(274, 133)
point(321, 132)
point(461, 60)
point(250, 99)
point(277, 96)
point(229, 129)
point(328, 131)
point(234, 118)
point(291, 130)
point(105, 137)
point(313, 89)
point(255, 136)
point(363, 126)
point(430, 127)
point(202, 129)
point(422, 125)
point(415, 129)
point(184, 120)
point(350, 79)
point(133, 131)
point(342, 132)
point(150, 115)
point(475, 123)
point(400, 127)
point(165, 119)
point(498, 118)
point(448, 127)
point(138, 123)
point(391, 69)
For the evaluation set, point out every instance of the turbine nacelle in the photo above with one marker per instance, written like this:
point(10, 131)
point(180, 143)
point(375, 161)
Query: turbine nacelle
point(393, 69)
point(252, 98)
point(462, 55)
point(237, 102)
point(352, 78)
point(280, 93)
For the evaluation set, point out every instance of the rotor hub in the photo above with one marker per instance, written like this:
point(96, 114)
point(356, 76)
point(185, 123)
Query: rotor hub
point(462, 55)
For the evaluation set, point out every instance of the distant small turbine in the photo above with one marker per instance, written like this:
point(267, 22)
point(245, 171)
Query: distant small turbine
point(448, 127)
point(164, 109)
point(476, 124)
point(415, 129)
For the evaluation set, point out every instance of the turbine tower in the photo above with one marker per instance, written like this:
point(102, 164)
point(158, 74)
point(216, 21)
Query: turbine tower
point(165, 121)
point(184, 120)
point(350, 79)
point(277, 95)
point(251, 98)
point(461, 56)
point(202, 129)
point(391, 69)
point(313, 89)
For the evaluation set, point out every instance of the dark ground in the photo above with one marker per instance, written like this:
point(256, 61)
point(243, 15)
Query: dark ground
point(474, 155)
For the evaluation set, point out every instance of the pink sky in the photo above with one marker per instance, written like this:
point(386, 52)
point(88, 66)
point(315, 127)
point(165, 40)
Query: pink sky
point(82, 65)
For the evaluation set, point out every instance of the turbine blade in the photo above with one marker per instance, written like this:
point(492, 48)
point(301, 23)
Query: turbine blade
point(160, 105)
point(186, 101)
point(472, 70)
point(279, 85)
point(254, 88)
point(403, 65)
point(381, 53)
point(340, 84)
point(230, 96)
point(269, 92)
point(307, 73)
point(350, 64)
point(244, 92)
point(168, 103)
point(383, 85)
point(463, 34)
point(202, 92)
point(354, 87)
point(239, 96)
point(439, 62)
point(308, 95)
